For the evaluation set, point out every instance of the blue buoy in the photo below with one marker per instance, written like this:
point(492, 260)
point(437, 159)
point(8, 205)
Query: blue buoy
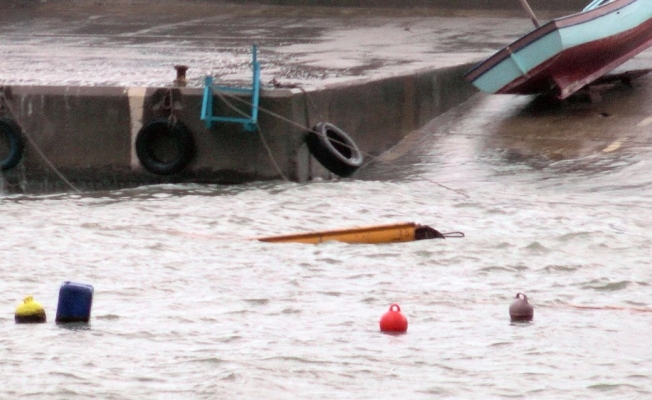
point(75, 301)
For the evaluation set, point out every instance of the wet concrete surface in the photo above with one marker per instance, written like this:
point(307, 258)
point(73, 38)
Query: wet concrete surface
point(132, 44)
point(129, 44)
point(536, 132)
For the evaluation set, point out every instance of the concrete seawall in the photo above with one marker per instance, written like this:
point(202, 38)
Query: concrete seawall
point(88, 134)
point(402, 71)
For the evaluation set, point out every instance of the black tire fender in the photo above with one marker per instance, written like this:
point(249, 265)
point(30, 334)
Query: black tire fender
point(153, 136)
point(12, 134)
point(334, 149)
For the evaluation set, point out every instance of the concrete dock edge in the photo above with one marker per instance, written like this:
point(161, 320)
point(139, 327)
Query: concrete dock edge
point(87, 134)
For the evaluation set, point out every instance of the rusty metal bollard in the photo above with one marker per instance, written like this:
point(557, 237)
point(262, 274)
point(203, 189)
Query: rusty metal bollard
point(181, 75)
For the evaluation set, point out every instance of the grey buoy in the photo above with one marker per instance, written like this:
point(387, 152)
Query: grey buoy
point(520, 309)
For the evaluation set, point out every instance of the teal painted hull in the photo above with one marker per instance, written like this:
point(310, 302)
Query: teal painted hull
point(568, 53)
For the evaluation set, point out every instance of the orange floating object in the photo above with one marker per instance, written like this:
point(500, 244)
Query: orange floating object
point(390, 233)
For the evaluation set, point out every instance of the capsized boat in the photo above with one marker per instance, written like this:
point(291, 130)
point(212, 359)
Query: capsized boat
point(388, 233)
point(568, 53)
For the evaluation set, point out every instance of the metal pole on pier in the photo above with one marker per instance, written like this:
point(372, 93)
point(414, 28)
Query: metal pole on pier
point(529, 11)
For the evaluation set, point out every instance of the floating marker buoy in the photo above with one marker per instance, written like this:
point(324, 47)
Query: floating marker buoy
point(520, 309)
point(75, 301)
point(30, 312)
point(393, 320)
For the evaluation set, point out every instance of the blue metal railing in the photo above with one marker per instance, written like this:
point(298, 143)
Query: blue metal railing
point(248, 123)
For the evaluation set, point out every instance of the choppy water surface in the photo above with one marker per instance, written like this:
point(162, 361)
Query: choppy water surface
point(187, 306)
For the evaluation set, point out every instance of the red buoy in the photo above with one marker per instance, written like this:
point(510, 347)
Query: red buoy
point(393, 320)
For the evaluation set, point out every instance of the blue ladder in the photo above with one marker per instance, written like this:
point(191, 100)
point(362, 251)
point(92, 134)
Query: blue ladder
point(249, 123)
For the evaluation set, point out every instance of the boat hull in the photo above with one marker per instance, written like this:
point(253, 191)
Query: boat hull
point(566, 54)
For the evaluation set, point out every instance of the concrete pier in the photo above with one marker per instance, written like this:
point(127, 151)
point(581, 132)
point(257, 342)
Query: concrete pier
point(88, 133)
point(377, 74)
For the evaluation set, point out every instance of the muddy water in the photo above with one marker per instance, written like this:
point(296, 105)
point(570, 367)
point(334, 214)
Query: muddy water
point(188, 306)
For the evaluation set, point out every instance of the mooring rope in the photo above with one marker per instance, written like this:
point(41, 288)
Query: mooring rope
point(270, 154)
point(456, 234)
point(7, 104)
point(274, 82)
point(223, 96)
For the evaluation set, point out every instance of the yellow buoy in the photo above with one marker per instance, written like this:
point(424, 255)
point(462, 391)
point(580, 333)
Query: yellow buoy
point(29, 312)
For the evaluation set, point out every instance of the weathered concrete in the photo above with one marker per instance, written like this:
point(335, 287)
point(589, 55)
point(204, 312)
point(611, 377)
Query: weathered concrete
point(580, 136)
point(453, 4)
point(88, 133)
point(377, 73)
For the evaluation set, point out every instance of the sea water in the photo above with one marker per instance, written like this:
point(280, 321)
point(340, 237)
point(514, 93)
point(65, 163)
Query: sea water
point(189, 305)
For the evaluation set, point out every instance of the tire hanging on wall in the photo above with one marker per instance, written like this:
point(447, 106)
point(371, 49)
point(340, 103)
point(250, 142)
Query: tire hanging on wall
point(164, 147)
point(334, 149)
point(12, 135)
